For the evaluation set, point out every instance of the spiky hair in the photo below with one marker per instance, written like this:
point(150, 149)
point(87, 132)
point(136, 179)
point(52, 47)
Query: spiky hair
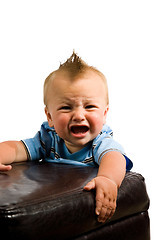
point(74, 65)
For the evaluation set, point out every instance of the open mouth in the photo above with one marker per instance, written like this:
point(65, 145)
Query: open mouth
point(79, 129)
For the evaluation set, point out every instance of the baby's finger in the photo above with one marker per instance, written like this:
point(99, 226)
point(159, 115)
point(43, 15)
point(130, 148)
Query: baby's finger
point(99, 201)
point(111, 213)
point(98, 207)
point(5, 167)
point(90, 185)
point(103, 216)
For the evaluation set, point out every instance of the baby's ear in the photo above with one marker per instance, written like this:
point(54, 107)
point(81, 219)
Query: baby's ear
point(105, 113)
point(49, 117)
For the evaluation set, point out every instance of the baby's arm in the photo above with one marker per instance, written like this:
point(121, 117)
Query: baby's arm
point(109, 178)
point(11, 151)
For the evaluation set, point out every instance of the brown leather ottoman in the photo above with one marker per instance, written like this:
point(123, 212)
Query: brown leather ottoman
point(40, 200)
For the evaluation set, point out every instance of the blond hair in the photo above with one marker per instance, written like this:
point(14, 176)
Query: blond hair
point(75, 67)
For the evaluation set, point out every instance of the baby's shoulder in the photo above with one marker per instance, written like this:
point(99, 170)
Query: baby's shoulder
point(105, 132)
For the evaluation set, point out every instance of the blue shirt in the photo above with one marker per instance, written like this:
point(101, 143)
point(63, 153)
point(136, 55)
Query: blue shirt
point(49, 146)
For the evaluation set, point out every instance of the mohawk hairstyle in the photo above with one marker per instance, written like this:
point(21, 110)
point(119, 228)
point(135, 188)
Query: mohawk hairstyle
point(74, 65)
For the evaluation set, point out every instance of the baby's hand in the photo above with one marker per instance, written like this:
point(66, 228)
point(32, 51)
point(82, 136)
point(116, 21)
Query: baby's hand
point(106, 196)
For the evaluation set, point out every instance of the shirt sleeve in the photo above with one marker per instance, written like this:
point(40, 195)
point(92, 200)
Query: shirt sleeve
point(38, 147)
point(106, 144)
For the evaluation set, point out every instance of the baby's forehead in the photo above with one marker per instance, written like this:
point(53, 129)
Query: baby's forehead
point(68, 76)
point(60, 78)
point(81, 87)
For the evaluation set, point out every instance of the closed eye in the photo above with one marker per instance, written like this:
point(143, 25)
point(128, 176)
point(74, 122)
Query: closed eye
point(65, 108)
point(90, 106)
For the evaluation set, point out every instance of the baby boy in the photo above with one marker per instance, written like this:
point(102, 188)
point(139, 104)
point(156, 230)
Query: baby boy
point(76, 106)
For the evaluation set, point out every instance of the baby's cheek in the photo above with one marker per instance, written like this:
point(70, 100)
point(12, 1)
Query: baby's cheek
point(60, 124)
point(97, 123)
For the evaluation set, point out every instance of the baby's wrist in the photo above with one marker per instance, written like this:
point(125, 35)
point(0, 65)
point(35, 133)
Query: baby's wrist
point(111, 180)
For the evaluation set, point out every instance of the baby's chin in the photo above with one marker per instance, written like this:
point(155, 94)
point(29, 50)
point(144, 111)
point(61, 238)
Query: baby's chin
point(75, 146)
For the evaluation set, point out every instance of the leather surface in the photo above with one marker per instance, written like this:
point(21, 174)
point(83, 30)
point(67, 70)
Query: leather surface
point(136, 227)
point(40, 200)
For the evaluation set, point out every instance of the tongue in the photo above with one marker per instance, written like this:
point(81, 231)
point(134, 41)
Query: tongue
point(79, 129)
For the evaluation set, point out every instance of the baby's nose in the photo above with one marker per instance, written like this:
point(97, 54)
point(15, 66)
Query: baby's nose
point(78, 116)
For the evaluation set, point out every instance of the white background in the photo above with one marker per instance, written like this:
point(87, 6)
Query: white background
point(120, 38)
